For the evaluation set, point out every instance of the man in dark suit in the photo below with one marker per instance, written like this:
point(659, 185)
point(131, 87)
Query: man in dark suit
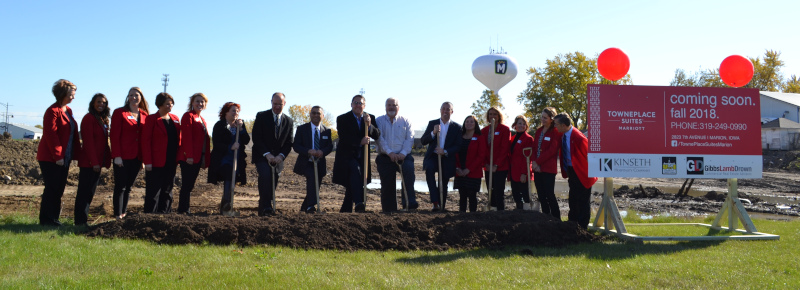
point(312, 141)
point(575, 166)
point(349, 163)
point(446, 146)
point(272, 141)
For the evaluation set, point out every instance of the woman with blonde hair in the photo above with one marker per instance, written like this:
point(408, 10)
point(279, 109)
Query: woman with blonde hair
point(127, 123)
point(195, 150)
point(498, 138)
point(520, 165)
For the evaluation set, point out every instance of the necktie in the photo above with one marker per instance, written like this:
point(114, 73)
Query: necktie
point(564, 149)
point(316, 139)
point(277, 125)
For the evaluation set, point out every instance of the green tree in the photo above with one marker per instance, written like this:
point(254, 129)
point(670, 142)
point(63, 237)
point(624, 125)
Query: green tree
point(792, 85)
point(487, 100)
point(767, 74)
point(705, 78)
point(562, 84)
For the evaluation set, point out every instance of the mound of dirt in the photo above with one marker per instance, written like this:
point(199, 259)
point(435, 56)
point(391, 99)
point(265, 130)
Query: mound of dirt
point(367, 231)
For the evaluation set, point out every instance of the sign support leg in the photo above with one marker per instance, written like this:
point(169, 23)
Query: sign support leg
point(608, 213)
point(735, 210)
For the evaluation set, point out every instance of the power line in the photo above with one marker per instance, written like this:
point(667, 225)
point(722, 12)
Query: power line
point(165, 79)
point(6, 116)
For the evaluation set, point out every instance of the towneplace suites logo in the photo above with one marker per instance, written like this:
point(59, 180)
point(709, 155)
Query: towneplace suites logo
point(669, 165)
point(694, 165)
point(500, 66)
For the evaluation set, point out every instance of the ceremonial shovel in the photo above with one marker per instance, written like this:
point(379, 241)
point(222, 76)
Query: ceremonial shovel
point(227, 209)
point(274, 186)
point(316, 182)
point(366, 157)
point(489, 206)
point(529, 206)
point(403, 183)
point(441, 180)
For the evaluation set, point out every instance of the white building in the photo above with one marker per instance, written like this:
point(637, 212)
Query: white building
point(19, 131)
point(780, 134)
point(780, 105)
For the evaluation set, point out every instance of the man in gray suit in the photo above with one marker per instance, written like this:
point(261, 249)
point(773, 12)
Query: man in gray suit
point(312, 141)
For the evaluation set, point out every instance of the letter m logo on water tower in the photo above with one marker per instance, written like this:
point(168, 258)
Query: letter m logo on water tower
point(500, 66)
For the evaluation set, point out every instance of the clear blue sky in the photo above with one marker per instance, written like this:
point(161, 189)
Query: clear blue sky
point(324, 52)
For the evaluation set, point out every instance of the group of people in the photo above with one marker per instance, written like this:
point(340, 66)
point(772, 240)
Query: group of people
point(159, 142)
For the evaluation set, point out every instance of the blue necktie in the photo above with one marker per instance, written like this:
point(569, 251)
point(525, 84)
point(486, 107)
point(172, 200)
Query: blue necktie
point(316, 139)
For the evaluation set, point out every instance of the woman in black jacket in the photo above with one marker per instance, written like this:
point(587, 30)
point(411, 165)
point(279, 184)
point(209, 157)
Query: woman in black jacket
point(224, 145)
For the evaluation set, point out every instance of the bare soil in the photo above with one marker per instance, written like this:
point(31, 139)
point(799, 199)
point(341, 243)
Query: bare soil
point(21, 187)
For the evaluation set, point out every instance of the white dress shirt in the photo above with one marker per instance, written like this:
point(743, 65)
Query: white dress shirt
point(396, 137)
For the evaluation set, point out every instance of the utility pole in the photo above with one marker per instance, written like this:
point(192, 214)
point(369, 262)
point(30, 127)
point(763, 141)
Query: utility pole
point(362, 92)
point(165, 79)
point(6, 116)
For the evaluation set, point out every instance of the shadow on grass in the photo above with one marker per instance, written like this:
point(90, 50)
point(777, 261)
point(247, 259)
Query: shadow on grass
point(600, 251)
point(13, 225)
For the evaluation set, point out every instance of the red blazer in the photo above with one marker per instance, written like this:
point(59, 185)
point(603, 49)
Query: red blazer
point(55, 135)
point(475, 156)
point(517, 158)
point(551, 146)
point(95, 143)
point(154, 140)
point(502, 143)
point(193, 135)
point(579, 153)
point(126, 134)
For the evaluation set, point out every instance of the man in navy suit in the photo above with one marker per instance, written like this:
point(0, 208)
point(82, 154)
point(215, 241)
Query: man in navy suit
point(272, 141)
point(446, 146)
point(348, 167)
point(312, 141)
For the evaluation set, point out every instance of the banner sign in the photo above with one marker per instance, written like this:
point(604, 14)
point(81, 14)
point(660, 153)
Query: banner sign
point(674, 132)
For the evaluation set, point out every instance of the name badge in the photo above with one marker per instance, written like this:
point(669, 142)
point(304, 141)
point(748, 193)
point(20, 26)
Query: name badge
point(324, 137)
point(177, 122)
point(519, 141)
point(546, 138)
point(130, 117)
point(197, 119)
point(497, 133)
point(474, 138)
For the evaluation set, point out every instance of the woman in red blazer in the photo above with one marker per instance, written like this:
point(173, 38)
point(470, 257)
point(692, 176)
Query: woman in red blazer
point(195, 150)
point(59, 145)
point(161, 138)
point(126, 133)
point(96, 155)
point(518, 170)
point(546, 146)
point(502, 143)
point(469, 162)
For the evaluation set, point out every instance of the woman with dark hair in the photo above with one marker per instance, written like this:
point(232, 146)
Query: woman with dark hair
point(96, 155)
point(501, 138)
point(519, 165)
point(161, 138)
point(195, 149)
point(546, 145)
point(225, 143)
point(59, 145)
point(126, 133)
point(469, 162)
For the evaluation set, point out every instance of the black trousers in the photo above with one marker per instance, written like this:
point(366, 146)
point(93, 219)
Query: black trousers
point(124, 178)
point(266, 190)
point(188, 179)
point(467, 197)
point(433, 186)
point(158, 193)
point(387, 170)
point(545, 188)
point(354, 192)
point(580, 208)
point(311, 186)
point(520, 192)
point(225, 171)
point(87, 185)
point(498, 188)
point(55, 180)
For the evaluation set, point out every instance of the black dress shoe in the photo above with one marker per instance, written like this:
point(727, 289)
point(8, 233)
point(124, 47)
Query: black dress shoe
point(436, 207)
point(361, 207)
point(311, 209)
point(413, 206)
point(267, 212)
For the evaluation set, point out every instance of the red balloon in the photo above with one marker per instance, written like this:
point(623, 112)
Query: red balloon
point(736, 71)
point(613, 64)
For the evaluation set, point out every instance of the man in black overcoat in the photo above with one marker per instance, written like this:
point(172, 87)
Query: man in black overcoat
point(349, 163)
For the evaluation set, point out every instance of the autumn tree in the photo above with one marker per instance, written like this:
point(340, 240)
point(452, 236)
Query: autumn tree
point(301, 115)
point(562, 84)
point(487, 100)
point(767, 76)
point(792, 85)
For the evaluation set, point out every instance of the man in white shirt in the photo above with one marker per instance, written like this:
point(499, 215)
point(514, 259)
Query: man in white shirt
point(394, 148)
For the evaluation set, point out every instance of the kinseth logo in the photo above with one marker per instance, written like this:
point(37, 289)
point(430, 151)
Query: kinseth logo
point(606, 164)
point(694, 165)
point(669, 165)
point(500, 66)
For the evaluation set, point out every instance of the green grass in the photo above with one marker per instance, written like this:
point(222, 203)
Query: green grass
point(36, 257)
